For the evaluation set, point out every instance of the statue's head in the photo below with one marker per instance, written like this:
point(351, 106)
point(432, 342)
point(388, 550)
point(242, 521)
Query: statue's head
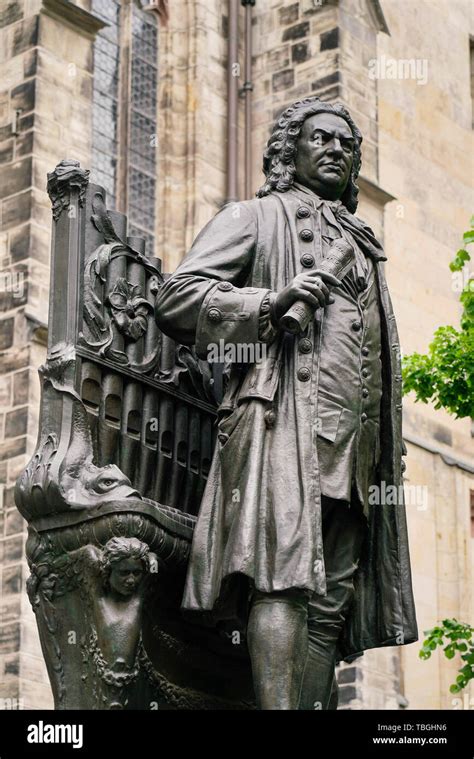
point(318, 145)
point(125, 561)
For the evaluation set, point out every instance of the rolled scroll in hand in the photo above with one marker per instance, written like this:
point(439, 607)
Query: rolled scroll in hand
point(333, 269)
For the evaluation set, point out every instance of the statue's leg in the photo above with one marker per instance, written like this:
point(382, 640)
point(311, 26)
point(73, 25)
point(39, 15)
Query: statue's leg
point(277, 636)
point(334, 695)
point(344, 529)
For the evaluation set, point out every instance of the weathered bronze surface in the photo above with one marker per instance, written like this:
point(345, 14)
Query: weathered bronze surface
point(111, 494)
point(201, 534)
point(308, 434)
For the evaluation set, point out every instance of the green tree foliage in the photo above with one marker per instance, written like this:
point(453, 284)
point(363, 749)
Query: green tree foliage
point(445, 374)
point(456, 637)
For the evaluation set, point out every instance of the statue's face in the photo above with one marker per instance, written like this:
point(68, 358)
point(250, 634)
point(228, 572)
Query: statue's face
point(325, 152)
point(125, 576)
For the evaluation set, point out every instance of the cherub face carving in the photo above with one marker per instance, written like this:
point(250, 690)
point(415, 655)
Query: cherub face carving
point(125, 576)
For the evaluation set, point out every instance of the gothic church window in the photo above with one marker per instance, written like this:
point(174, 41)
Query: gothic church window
point(124, 124)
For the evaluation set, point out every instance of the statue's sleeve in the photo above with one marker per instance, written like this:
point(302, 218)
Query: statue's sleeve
point(206, 300)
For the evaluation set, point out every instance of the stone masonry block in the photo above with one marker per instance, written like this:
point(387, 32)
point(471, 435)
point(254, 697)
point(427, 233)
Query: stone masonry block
point(296, 32)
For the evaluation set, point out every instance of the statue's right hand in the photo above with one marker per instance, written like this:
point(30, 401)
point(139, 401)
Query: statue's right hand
point(309, 287)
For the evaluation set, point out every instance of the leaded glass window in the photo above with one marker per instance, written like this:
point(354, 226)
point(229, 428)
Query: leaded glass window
point(105, 96)
point(124, 144)
point(143, 126)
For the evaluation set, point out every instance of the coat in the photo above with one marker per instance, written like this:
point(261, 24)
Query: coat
point(260, 517)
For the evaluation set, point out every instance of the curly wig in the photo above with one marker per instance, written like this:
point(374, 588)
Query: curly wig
point(280, 153)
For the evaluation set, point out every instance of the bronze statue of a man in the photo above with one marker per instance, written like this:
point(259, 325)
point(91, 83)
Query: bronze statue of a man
point(293, 529)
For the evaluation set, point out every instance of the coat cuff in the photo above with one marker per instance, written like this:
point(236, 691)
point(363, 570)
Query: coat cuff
point(267, 327)
point(230, 314)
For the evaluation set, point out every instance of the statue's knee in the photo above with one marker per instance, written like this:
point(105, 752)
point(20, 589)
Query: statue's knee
point(293, 602)
point(327, 615)
point(324, 629)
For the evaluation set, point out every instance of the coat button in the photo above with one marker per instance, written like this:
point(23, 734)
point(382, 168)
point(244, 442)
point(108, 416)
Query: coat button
point(365, 392)
point(270, 418)
point(306, 235)
point(365, 351)
point(356, 326)
point(307, 260)
point(224, 286)
point(305, 345)
point(214, 315)
point(365, 373)
point(363, 417)
point(302, 212)
point(304, 374)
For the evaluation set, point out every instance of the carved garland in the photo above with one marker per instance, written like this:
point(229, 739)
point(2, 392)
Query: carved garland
point(126, 308)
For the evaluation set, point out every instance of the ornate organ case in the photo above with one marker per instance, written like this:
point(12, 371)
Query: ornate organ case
point(127, 431)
